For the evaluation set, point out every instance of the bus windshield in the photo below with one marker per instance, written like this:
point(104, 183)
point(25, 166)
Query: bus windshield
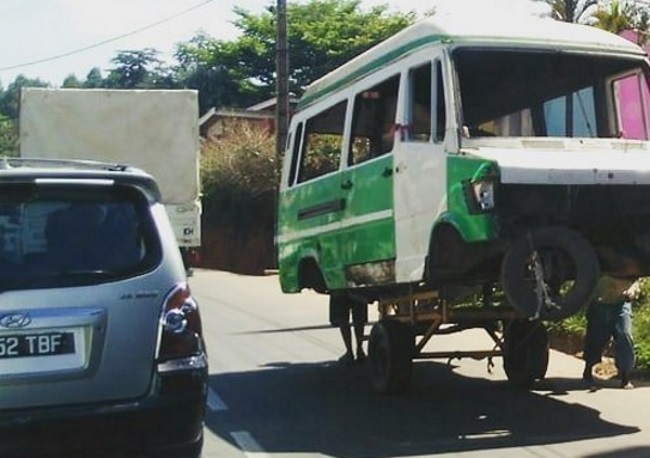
point(532, 93)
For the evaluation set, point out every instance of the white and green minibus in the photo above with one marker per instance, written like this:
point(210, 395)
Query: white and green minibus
point(509, 159)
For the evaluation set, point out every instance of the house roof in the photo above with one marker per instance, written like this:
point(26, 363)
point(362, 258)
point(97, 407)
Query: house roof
point(262, 110)
point(270, 104)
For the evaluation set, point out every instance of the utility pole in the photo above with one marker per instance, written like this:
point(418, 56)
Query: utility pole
point(281, 97)
point(282, 76)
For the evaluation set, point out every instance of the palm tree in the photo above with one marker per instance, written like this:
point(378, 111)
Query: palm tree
point(619, 16)
point(571, 10)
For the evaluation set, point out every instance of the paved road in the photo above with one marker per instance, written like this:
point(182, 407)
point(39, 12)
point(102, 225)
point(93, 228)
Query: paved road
point(276, 391)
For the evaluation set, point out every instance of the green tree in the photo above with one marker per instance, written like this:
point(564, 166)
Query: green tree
point(8, 136)
point(94, 79)
point(239, 179)
point(572, 10)
point(197, 69)
point(9, 111)
point(71, 82)
point(139, 69)
point(10, 98)
point(617, 16)
point(322, 34)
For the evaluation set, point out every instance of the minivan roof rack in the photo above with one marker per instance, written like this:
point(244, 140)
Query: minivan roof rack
point(13, 162)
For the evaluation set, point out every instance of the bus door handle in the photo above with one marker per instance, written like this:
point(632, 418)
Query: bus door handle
point(346, 184)
point(388, 171)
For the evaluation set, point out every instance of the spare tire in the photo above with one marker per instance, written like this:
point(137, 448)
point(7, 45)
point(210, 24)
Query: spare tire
point(570, 271)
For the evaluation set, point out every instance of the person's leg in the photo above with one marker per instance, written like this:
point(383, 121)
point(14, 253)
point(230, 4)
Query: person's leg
point(597, 335)
point(359, 335)
point(339, 309)
point(624, 344)
point(359, 320)
point(346, 334)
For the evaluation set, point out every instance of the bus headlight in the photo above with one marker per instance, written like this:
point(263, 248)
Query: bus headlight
point(483, 192)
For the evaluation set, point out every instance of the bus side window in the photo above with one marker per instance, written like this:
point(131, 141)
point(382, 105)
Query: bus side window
point(373, 121)
point(295, 153)
point(420, 103)
point(322, 143)
point(631, 97)
point(441, 106)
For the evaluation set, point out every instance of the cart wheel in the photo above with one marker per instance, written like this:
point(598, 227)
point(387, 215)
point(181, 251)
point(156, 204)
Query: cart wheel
point(568, 267)
point(525, 352)
point(390, 356)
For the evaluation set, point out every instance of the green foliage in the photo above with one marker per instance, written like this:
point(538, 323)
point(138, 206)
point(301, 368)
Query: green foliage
point(571, 10)
point(574, 325)
point(322, 156)
point(140, 69)
point(71, 82)
point(94, 79)
point(10, 98)
point(239, 178)
point(615, 19)
point(200, 69)
point(642, 337)
point(8, 137)
point(617, 16)
point(641, 327)
point(322, 35)
point(614, 16)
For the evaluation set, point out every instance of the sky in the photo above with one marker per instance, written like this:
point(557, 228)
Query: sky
point(51, 39)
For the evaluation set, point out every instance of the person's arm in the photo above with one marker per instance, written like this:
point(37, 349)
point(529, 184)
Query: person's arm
point(633, 291)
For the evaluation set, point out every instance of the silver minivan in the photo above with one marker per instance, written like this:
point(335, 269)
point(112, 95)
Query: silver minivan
point(101, 345)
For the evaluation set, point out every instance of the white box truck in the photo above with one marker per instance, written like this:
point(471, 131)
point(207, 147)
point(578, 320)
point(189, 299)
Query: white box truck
point(155, 130)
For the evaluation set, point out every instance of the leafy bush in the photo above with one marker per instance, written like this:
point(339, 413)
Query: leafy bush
point(239, 176)
point(239, 180)
point(8, 137)
point(641, 325)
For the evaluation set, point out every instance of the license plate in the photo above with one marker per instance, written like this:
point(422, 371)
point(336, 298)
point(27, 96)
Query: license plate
point(37, 344)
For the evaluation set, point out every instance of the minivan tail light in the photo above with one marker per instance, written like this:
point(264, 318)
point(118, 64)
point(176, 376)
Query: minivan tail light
point(181, 334)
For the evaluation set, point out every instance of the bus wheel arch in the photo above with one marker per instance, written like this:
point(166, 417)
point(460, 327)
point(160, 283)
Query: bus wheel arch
point(310, 275)
point(446, 249)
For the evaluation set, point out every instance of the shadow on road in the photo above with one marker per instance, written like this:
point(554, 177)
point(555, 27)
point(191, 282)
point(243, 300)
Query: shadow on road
point(630, 452)
point(328, 409)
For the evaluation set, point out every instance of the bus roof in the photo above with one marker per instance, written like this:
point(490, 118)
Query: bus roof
point(527, 32)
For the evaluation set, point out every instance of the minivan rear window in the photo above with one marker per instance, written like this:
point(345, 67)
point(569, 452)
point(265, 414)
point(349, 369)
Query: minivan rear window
point(55, 235)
